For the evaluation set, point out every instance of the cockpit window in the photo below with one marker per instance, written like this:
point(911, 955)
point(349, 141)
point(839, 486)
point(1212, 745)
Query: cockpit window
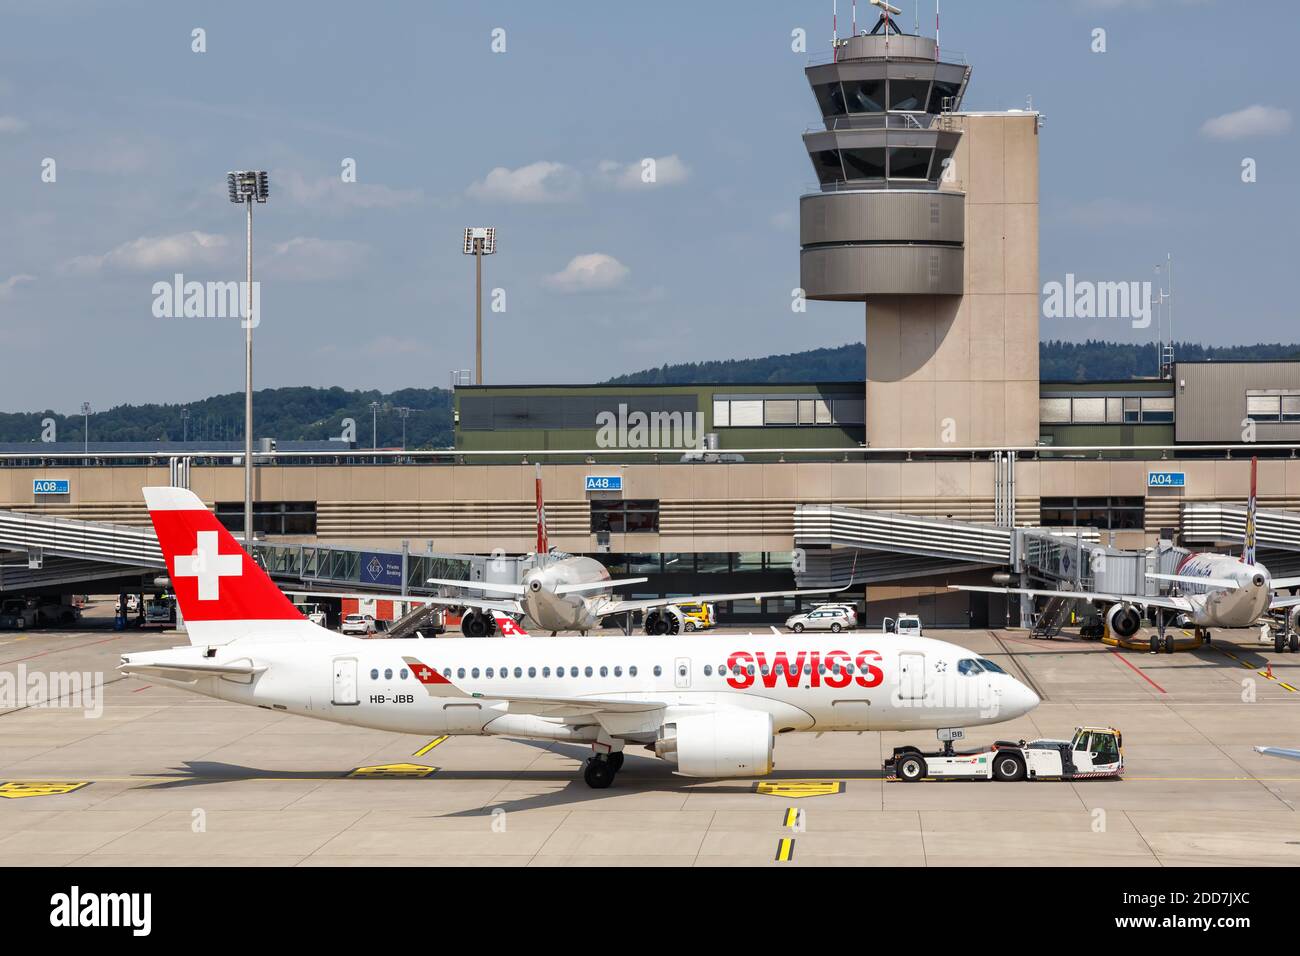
point(990, 666)
point(968, 667)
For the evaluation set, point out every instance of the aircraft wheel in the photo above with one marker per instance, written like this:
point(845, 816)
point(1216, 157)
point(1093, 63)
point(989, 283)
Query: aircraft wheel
point(910, 768)
point(1169, 644)
point(1155, 644)
point(1008, 767)
point(1294, 643)
point(598, 773)
point(616, 761)
point(798, 628)
point(1279, 642)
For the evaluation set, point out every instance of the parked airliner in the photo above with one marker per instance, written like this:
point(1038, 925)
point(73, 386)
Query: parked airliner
point(709, 704)
point(1217, 590)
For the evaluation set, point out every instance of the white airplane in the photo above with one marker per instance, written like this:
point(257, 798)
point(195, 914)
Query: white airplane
point(711, 704)
point(574, 593)
point(1218, 590)
point(1278, 752)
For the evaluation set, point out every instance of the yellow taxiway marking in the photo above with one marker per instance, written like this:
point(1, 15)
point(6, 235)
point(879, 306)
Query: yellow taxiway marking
point(429, 746)
point(16, 789)
point(785, 850)
point(1251, 667)
point(791, 818)
point(799, 788)
point(394, 770)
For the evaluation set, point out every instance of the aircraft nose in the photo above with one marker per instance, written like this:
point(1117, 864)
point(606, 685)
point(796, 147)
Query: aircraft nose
point(1022, 699)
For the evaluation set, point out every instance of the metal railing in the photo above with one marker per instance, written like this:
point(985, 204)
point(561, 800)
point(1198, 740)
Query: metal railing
point(668, 455)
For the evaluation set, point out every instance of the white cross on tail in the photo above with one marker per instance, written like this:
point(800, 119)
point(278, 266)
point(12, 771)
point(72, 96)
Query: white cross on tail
point(208, 566)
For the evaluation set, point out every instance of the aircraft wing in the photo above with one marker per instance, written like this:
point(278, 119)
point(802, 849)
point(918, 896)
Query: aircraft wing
point(1169, 603)
point(1280, 601)
point(1279, 752)
point(478, 585)
point(616, 606)
point(1281, 584)
point(506, 606)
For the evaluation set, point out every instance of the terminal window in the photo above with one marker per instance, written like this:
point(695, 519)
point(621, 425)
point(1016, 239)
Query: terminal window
point(630, 516)
point(786, 411)
point(1273, 405)
point(1105, 514)
point(270, 517)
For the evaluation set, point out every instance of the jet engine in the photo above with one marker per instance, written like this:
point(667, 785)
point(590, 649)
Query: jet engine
point(662, 620)
point(476, 623)
point(737, 743)
point(1123, 620)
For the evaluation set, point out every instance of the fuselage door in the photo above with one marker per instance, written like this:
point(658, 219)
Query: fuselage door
point(911, 676)
point(682, 673)
point(345, 681)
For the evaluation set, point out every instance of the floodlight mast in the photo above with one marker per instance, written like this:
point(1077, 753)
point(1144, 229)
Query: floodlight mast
point(480, 241)
point(248, 186)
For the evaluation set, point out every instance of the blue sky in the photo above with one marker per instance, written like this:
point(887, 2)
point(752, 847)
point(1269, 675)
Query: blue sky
point(363, 284)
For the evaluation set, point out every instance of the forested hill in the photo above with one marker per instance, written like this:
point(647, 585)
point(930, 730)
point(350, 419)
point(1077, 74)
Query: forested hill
point(308, 413)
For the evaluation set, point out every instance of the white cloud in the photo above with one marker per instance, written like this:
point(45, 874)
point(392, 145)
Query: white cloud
point(593, 272)
point(331, 192)
point(537, 182)
point(7, 287)
point(156, 253)
point(11, 124)
point(308, 259)
point(667, 171)
point(1252, 121)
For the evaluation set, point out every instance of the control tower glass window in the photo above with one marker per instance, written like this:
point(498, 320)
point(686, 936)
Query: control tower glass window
point(908, 95)
point(865, 163)
point(941, 156)
point(827, 163)
point(865, 96)
point(830, 97)
point(908, 162)
point(939, 92)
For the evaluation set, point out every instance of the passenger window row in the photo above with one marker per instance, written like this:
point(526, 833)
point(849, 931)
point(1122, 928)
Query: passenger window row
point(617, 670)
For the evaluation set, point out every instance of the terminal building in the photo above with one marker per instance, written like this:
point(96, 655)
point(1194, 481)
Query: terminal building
point(950, 462)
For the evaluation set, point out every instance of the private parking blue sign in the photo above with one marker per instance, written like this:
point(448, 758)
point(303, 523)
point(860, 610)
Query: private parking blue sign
point(51, 486)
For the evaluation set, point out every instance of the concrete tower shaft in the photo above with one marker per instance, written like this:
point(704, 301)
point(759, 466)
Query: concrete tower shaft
point(929, 216)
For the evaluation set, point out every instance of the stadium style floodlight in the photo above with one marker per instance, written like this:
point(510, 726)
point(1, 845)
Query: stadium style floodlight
point(248, 186)
point(480, 241)
point(403, 411)
point(374, 425)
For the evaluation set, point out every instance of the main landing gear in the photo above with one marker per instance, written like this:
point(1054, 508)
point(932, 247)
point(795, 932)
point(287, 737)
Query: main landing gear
point(600, 768)
point(1282, 641)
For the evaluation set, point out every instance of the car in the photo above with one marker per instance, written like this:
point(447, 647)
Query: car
point(696, 617)
point(849, 608)
point(362, 624)
point(907, 625)
point(834, 619)
point(57, 612)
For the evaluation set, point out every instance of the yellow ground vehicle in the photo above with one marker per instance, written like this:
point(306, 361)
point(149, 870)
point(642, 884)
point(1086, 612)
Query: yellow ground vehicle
point(697, 617)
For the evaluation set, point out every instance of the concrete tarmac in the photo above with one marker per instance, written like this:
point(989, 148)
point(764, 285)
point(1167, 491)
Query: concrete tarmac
point(162, 777)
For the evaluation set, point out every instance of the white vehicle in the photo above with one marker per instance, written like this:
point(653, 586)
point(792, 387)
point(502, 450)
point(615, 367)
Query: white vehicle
point(314, 613)
point(362, 624)
point(908, 625)
point(161, 611)
point(570, 593)
point(1093, 752)
point(1219, 590)
point(711, 705)
point(834, 619)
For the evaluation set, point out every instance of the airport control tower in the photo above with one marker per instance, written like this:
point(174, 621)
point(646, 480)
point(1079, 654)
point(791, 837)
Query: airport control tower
point(929, 216)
